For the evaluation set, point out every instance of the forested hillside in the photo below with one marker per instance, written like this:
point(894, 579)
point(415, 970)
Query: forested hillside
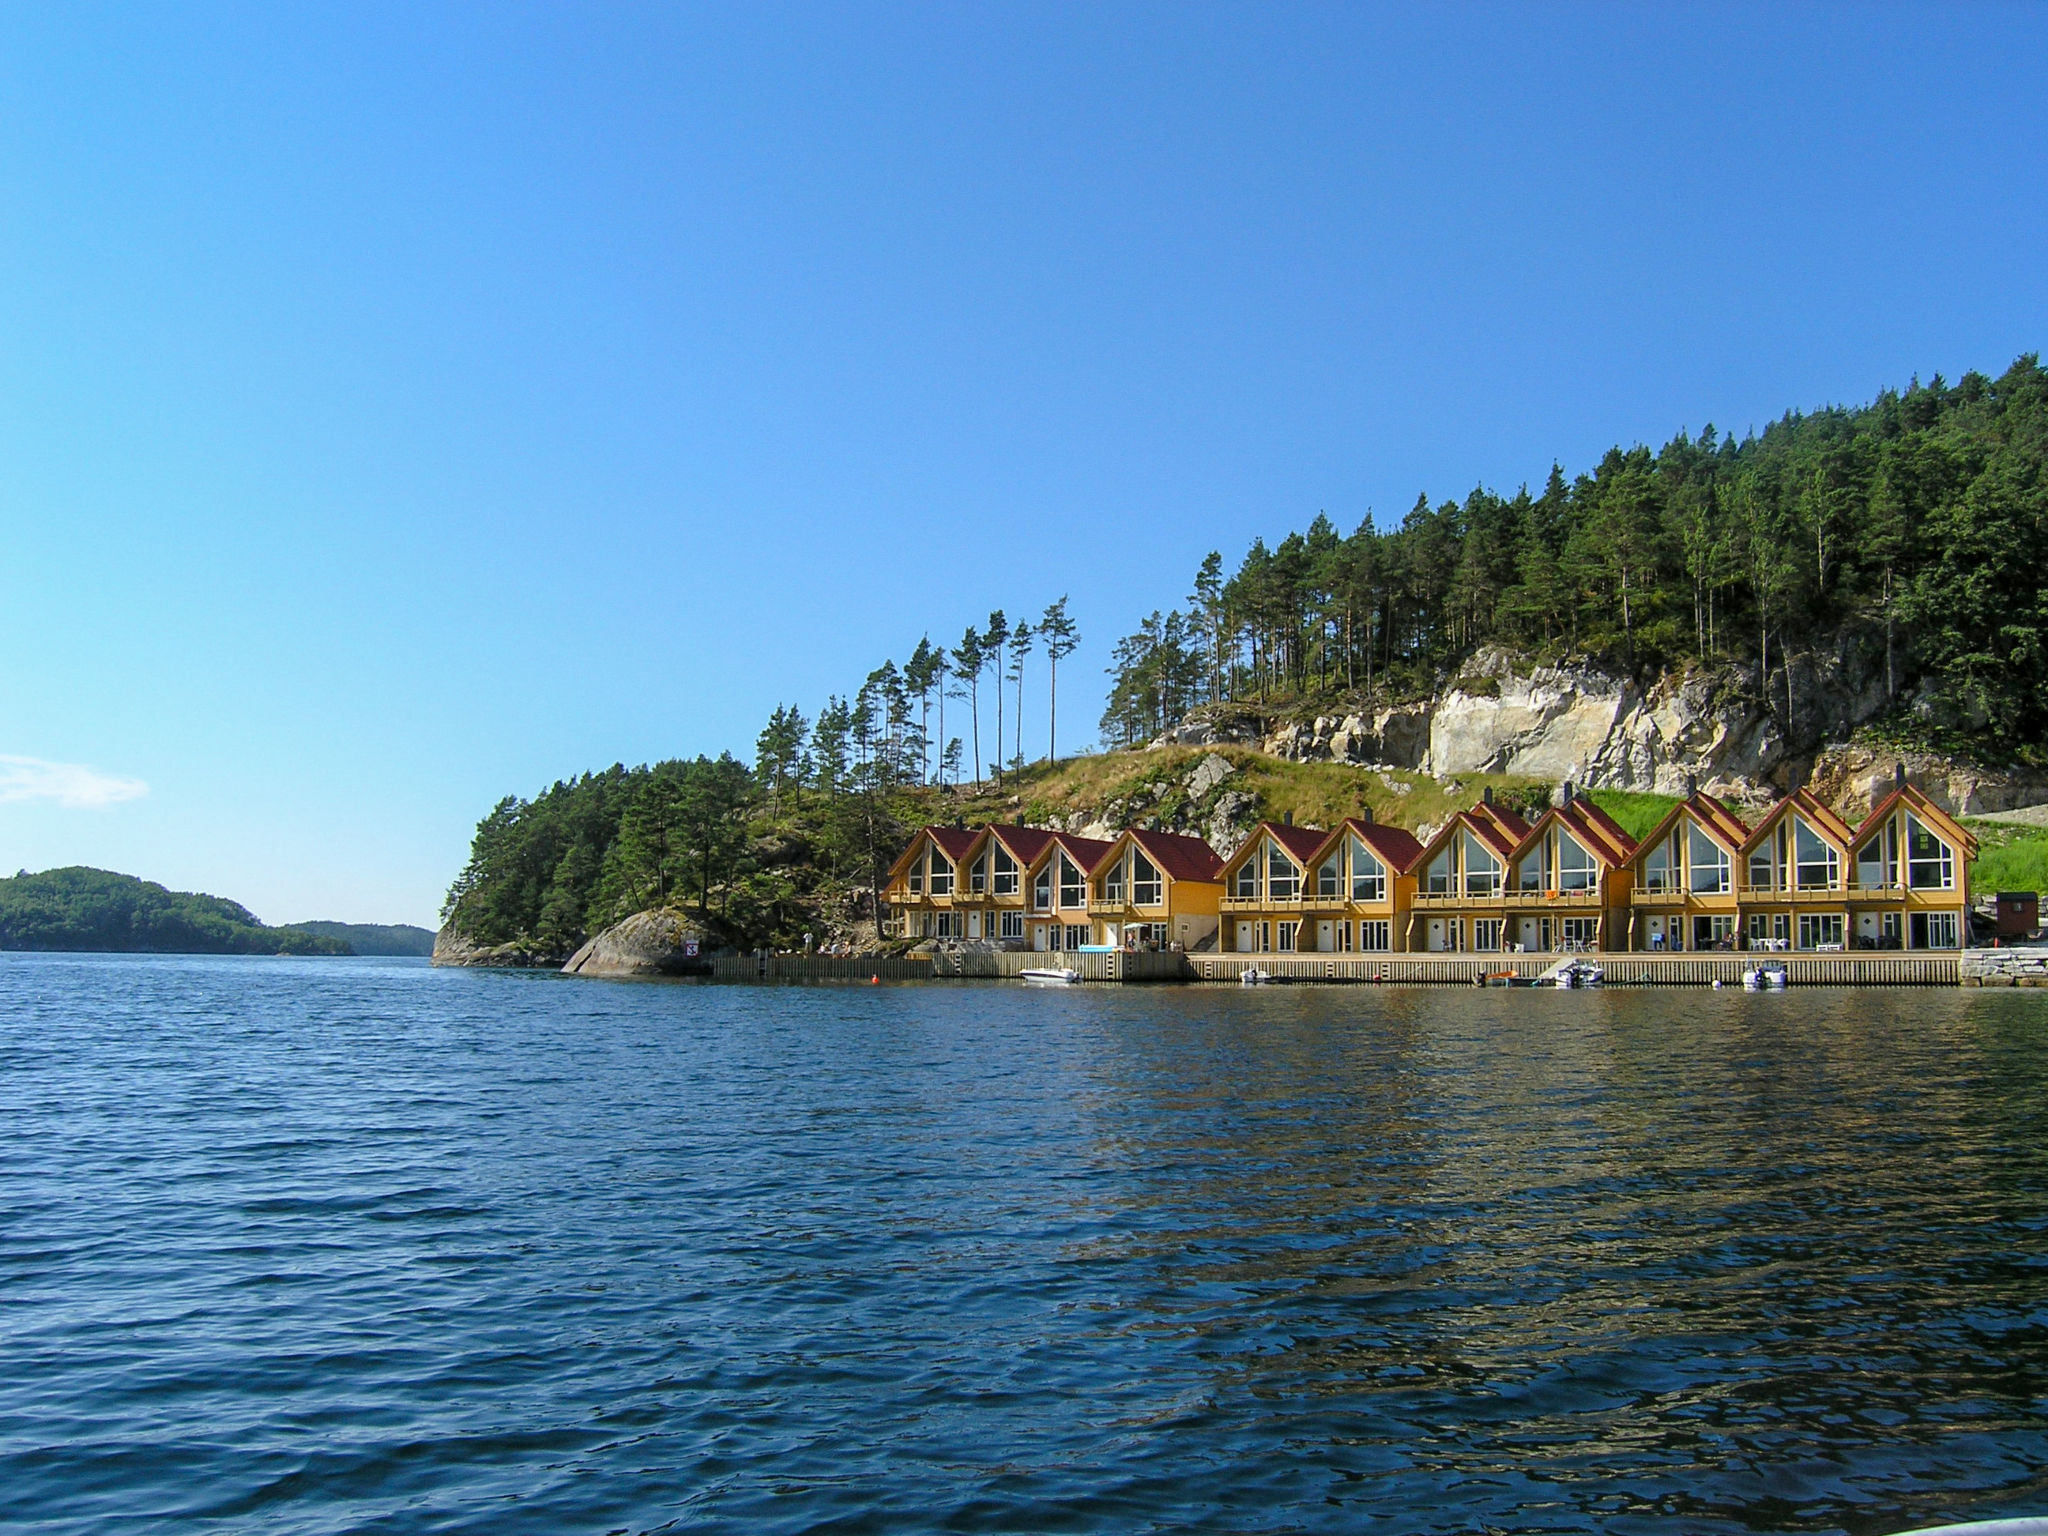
point(1905, 535)
point(1899, 539)
point(97, 910)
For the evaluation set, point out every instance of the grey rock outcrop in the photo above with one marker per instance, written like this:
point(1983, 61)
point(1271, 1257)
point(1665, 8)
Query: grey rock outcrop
point(452, 948)
point(654, 943)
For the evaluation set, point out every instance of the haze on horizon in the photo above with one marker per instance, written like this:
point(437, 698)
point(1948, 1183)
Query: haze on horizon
point(408, 406)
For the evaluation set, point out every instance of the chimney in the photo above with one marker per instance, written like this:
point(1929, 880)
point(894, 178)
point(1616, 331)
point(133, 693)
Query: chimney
point(1692, 785)
point(1565, 797)
point(959, 823)
point(1486, 795)
point(1366, 815)
point(1898, 775)
point(1288, 818)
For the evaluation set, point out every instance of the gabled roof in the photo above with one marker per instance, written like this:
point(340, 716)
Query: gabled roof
point(1592, 828)
point(1084, 851)
point(1502, 817)
point(1180, 857)
point(954, 842)
point(1396, 846)
point(1917, 801)
point(1816, 814)
point(1490, 829)
point(1024, 843)
point(1713, 817)
point(1301, 843)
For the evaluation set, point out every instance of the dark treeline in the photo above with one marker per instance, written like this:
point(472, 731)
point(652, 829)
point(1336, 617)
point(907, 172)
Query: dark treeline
point(97, 910)
point(795, 843)
point(1906, 531)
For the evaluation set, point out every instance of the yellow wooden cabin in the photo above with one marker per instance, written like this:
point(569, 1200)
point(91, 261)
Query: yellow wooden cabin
point(1156, 890)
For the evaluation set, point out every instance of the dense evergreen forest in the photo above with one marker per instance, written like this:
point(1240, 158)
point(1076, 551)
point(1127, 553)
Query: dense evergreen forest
point(374, 938)
point(1902, 536)
point(1905, 535)
point(97, 910)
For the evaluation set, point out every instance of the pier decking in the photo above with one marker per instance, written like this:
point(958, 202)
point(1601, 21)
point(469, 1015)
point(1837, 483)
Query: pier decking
point(1894, 969)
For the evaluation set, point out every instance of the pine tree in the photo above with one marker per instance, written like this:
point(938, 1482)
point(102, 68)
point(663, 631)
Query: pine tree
point(1060, 636)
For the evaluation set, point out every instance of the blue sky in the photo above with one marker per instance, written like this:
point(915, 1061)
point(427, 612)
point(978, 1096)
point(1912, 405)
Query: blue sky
point(401, 407)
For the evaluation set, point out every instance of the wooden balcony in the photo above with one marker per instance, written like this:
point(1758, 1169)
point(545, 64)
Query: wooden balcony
point(1504, 900)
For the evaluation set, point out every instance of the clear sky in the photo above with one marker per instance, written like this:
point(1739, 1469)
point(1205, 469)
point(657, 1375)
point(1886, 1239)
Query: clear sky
point(401, 407)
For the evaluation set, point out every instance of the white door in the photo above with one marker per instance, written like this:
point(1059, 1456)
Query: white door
point(1247, 938)
point(1038, 936)
point(974, 925)
point(1437, 941)
point(1326, 935)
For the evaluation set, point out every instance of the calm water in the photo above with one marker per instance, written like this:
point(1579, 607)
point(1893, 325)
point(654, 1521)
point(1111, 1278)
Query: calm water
point(305, 1246)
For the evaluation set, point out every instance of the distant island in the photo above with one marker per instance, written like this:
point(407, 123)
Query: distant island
point(96, 910)
point(374, 938)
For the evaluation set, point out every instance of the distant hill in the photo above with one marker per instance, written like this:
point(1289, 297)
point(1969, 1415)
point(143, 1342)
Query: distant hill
point(96, 910)
point(376, 938)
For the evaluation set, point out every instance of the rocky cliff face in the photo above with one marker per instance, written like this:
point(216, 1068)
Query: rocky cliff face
point(1590, 726)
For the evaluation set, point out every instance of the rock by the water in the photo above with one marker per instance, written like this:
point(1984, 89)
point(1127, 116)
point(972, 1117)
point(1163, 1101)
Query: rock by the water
point(654, 943)
point(452, 948)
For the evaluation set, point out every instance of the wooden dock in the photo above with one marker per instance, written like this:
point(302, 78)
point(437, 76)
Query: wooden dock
point(1886, 969)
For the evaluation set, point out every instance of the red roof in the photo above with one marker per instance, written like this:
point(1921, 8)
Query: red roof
point(1396, 846)
point(1182, 857)
point(1490, 830)
point(1817, 815)
point(1302, 842)
point(1084, 851)
point(954, 841)
point(1501, 816)
point(1024, 843)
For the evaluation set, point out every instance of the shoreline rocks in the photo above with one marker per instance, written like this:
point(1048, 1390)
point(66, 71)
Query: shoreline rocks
point(452, 948)
point(652, 943)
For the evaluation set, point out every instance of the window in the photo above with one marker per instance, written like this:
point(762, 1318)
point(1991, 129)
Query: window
point(1659, 864)
point(1436, 880)
point(1710, 864)
point(1486, 933)
point(950, 925)
point(1368, 874)
point(1286, 937)
point(1934, 930)
point(1006, 875)
point(1147, 889)
point(1073, 888)
point(1343, 932)
point(1820, 930)
point(1877, 861)
point(942, 874)
point(1482, 869)
point(1576, 870)
point(1716, 932)
point(1763, 868)
point(1375, 936)
point(1113, 882)
point(1582, 932)
point(977, 877)
point(1330, 876)
point(1818, 867)
point(1246, 886)
point(1283, 879)
point(1013, 925)
point(1930, 866)
point(1769, 930)
point(915, 879)
point(1077, 935)
point(1041, 891)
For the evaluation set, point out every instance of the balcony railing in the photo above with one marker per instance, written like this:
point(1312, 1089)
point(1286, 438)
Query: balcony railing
point(1677, 896)
point(1504, 899)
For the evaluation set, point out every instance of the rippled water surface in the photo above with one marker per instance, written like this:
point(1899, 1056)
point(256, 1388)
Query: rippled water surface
point(320, 1246)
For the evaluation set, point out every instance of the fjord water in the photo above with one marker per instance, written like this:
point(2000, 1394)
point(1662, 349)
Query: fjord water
point(323, 1246)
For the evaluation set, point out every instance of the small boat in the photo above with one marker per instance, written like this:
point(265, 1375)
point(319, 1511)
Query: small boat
point(1764, 978)
point(1051, 975)
point(1252, 976)
point(1574, 974)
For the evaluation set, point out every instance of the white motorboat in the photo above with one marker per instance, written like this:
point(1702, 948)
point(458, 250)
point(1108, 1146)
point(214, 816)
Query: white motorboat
point(1051, 975)
point(1252, 976)
point(1573, 974)
point(1764, 978)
